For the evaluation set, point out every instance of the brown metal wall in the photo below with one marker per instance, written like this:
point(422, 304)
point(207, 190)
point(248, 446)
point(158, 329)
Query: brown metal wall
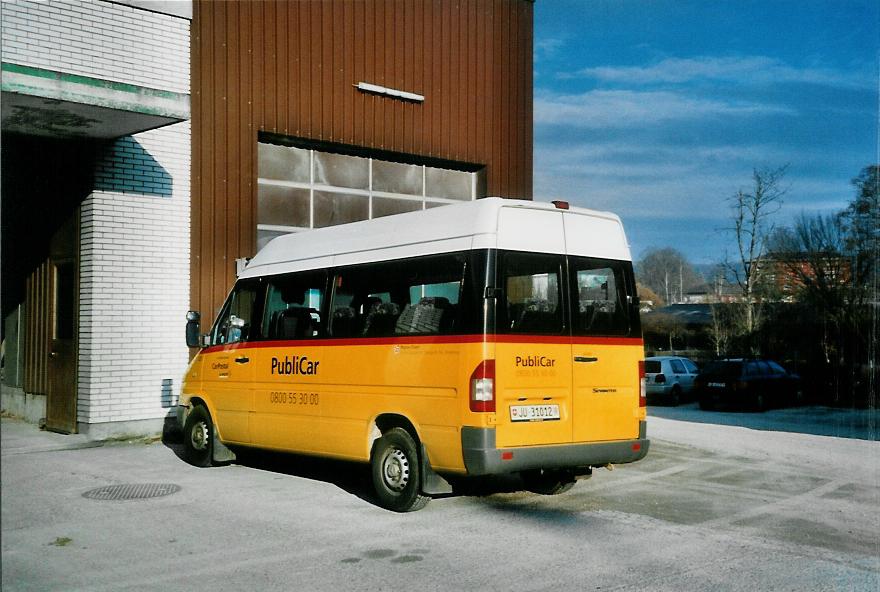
point(289, 67)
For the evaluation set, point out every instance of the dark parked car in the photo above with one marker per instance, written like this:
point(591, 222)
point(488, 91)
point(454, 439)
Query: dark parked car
point(747, 384)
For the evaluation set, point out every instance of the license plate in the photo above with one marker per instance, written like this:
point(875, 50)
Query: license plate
point(534, 412)
point(718, 384)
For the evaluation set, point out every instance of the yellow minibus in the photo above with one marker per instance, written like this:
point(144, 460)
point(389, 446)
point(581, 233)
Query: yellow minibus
point(496, 336)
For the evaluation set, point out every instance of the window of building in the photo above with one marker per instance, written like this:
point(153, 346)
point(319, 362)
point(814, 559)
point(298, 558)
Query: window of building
point(299, 189)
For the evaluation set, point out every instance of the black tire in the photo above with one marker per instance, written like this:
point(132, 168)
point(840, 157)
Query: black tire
point(397, 478)
point(548, 482)
point(759, 403)
point(706, 404)
point(198, 437)
point(675, 396)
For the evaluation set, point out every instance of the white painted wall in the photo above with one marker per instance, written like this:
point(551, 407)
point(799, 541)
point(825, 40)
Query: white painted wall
point(134, 279)
point(98, 39)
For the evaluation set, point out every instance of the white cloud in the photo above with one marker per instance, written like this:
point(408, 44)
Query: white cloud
point(743, 70)
point(547, 47)
point(640, 157)
point(626, 108)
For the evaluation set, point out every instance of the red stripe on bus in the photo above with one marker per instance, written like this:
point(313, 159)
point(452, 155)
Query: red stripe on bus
point(430, 340)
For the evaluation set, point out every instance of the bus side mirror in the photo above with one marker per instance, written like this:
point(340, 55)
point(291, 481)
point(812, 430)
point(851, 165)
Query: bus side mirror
point(192, 329)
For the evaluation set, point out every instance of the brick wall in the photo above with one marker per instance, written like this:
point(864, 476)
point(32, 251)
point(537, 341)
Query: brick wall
point(98, 39)
point(134, 278)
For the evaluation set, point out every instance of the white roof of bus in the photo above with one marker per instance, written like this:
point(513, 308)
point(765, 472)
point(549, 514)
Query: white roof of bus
point(458, 227)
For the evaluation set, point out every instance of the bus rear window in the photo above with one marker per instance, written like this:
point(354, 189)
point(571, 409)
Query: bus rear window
point(532, 293)
point(599, 300)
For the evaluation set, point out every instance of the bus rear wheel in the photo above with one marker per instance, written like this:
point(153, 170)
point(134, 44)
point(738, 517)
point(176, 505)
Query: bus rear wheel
point(394, 465)
point(548, 482)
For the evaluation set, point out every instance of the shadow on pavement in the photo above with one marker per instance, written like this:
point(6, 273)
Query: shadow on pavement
point(352, 477)
point(861, 424)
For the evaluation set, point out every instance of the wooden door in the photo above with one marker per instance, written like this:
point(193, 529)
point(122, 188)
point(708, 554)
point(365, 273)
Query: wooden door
point(63, 309)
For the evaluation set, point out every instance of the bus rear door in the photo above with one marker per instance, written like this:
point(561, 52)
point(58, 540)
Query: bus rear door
point(605, 358)
point(533, 352)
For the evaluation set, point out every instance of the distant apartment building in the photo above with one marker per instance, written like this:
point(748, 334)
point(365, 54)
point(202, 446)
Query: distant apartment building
point(785, 276)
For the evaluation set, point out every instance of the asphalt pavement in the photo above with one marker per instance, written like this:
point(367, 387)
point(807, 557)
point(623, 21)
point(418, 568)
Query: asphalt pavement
point(712, 507)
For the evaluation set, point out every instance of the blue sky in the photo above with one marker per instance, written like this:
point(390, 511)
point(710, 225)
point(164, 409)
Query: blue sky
point(660, 110)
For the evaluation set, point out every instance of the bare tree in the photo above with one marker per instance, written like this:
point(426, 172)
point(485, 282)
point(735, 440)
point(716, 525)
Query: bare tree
point(668, 273)
point(861, 226)
point(752, 212)
point(861, 221)
point(646, 295)
point(811, 255)
point(831, 263)
point(720, 331)
point(669, 326)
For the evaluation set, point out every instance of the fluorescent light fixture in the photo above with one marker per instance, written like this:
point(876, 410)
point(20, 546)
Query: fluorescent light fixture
point(389, 92)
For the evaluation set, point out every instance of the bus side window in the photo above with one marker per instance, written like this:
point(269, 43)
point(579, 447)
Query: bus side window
point(343, 319)
point(293, 305)
point(235, 323)
point(416, 296)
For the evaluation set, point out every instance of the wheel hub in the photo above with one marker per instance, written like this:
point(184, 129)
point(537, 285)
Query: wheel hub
point(199, 436)
point(395, 470)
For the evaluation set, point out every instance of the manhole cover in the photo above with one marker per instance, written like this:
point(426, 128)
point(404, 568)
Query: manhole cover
point(132, 491)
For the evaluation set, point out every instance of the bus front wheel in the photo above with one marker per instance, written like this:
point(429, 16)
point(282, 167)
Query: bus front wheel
point(197, 435)
point(394, 464)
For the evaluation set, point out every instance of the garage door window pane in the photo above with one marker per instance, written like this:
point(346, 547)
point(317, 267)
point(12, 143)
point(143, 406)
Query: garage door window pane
point(340, 170)
point(383, 206)
point(264, 236)
point(283, 163)
point(449, 184)
point(395, 177)
point(282, 206)
point(339, 208)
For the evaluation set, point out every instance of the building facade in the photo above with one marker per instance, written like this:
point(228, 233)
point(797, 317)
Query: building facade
point(150, 148)
point(96, 201)
point(312, 113)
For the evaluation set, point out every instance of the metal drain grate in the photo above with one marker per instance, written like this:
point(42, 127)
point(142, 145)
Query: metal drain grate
point(132, 491)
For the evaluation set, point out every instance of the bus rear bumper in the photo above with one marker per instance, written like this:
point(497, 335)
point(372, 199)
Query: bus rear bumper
point(481, 457)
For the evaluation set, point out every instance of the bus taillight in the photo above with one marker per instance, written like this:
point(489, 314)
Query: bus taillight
point(483, 387)
point(643, 389)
